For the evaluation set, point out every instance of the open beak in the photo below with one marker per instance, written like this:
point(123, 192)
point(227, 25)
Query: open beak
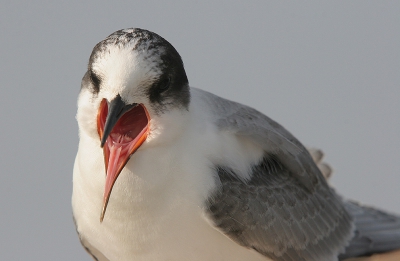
point(122, 129)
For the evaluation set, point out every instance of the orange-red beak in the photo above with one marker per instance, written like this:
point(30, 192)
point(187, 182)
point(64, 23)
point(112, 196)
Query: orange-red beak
point(122, 129)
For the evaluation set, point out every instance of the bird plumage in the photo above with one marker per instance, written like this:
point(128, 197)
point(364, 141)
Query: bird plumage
point(214, 179)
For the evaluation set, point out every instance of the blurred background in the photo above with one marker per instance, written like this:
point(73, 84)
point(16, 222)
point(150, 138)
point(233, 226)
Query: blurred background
point(329, 71)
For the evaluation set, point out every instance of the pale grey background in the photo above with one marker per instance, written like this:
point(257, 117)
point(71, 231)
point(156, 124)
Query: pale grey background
point(327, 70)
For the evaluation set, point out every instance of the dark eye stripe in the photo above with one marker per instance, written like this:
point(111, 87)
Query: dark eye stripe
point(96, 80)
point(164, 84)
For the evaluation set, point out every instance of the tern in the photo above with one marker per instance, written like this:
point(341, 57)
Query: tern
point(165, 171)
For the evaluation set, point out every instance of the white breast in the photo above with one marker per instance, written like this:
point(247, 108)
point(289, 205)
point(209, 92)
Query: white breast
point(156, 209)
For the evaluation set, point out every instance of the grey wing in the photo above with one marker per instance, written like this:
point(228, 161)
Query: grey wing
point(286, 211)
point(244, 121)
point(376, 231)
point(277, 216)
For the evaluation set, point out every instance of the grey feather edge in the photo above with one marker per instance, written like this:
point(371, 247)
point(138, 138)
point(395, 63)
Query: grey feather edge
point(288, 212)
point(376, 231)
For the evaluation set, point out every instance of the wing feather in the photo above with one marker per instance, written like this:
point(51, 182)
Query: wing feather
point(286, 211)
point(279, 218)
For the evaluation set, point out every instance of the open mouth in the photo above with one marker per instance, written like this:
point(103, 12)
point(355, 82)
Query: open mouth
point(122, 130)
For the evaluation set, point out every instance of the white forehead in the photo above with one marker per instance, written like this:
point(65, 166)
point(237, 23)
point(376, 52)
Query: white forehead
point(126, 70)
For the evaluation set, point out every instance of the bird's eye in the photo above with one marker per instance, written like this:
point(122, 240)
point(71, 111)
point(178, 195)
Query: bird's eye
point(95, 79)
point(163, 84)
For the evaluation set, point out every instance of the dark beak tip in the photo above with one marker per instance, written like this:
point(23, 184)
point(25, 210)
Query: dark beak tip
point(102, 143)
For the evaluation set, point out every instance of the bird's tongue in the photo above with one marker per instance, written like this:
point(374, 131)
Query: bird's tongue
point(126, 137)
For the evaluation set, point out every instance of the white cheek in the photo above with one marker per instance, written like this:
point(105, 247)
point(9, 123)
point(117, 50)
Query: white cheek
point(87, 113)
point(167, 128)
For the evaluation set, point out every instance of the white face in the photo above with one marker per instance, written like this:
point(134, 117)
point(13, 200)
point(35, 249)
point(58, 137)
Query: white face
point(127, 73)
point(138, 65)
point(130, 94)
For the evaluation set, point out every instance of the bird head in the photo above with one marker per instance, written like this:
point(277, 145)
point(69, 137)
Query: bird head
point(133, 76)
